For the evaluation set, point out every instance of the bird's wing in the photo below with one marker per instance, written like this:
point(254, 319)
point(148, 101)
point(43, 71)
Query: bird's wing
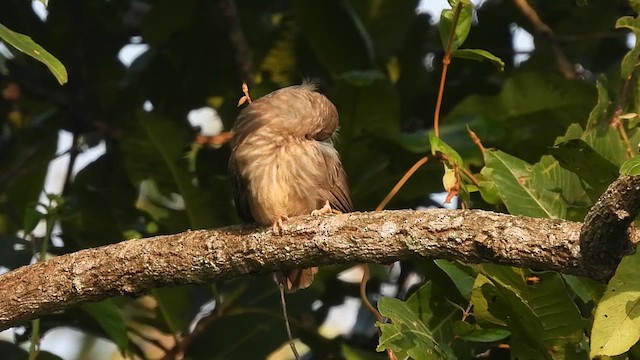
point(241, 194)
point(337, 188)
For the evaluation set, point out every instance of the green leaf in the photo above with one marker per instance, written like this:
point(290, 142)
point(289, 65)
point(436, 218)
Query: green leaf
point(528, 113)
point(600, 111)
point(344, 45)
point(479, 55)
point(242, 334)
point(103, 205)
point(541, 316)
point(630, 60)
point(174, 304)
point(542, 190)
point(463, 25)
point(462, 276)
point(351, 353)
point(108, 315)
point(488, 190)
point(461, 328)
point(22, 189)
point(604, 139)
point(451, 178)
point(631, 166)
point(486, 335)
point(407, 335)
point(616, 325)
point(580, 158)
point(31, 219)
point(29, 47)
point(154, 148)
point(483, 298)
point(586, 289)
point(430, 304)
point(369, 105)
point(439, 146)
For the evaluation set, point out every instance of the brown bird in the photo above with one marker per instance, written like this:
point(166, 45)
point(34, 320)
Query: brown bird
point(283, 163)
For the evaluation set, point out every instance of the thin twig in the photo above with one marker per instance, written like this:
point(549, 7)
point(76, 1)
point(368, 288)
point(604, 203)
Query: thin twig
point(73, 155)
point(615, 118)
point(365, 300)
point(241, 50)
point(363, 293)
point(283, 304)
point(401, 183)
point(564, 66)
point(471, 177)
point(476, 140)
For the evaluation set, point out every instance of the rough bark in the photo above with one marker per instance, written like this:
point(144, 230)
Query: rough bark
point(136, 266)
point(606, 233)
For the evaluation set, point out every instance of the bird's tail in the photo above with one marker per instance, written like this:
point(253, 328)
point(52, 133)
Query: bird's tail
point(296, 279)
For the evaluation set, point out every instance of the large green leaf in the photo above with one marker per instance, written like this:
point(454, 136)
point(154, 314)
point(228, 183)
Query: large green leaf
point(335, 33)
point(616, 325)
point(530, 98)
point(483, 298)
point(244, 334)
point(529, 112)
point(108, 315)
point(406, 335)
point(368, 104)
point(154, 150)
point(29, 47)
point(542, 190)
point(542, 316)
point(592, 168)
point(23, 173)
point(462, 276)
point(430, 304)
point(102, 204)
point(604, 139)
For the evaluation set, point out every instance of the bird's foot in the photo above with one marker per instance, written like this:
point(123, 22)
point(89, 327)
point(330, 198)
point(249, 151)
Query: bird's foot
point(325, 209)
point(278, 225)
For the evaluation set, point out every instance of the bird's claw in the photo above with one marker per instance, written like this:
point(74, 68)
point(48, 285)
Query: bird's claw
point(325, 209)
point(278, 225)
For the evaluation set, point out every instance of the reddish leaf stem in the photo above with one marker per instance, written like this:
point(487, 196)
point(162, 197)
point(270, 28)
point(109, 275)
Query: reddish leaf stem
point(446, 60)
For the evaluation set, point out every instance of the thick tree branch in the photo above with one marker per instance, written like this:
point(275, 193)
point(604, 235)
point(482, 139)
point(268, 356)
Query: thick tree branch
point(605, 234)
point(136, 266)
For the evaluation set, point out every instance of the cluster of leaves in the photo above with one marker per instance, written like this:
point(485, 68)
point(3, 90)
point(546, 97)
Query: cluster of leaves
point(537, 315)
point(371, 63)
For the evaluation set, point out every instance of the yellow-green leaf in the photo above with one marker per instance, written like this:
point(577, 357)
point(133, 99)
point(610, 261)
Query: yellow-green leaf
point(479, 55)
point(26, 45)
point(616, 325)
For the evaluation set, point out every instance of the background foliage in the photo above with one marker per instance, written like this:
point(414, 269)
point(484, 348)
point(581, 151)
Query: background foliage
point(562, 136)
